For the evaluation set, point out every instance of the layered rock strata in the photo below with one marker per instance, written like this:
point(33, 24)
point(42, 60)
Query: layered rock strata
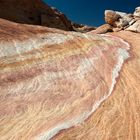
point(118, 118)
point(52, 80)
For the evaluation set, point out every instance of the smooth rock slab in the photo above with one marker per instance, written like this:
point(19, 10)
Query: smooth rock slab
point(118, 118)
point(51, 80)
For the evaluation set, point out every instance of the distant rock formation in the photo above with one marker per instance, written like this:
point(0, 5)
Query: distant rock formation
point(33, 12)
point(82, 28)
point(123, 21)
point(37, 12)
point(103, 29)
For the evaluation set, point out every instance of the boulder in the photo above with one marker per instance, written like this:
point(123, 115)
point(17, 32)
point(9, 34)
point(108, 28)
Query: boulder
point(103, 29)
point(137, 12)
point(111, 17)
point(122, 21)
point(122, 14)
point(128, 17)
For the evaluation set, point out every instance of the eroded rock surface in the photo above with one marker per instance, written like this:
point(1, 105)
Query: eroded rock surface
point(34, 12)
point(137, 12)
point(118, 118)
point(111, 16)
point(103, 29)
point(135, 27)
point(51, 80)
point(37, 12)
point(123, 21)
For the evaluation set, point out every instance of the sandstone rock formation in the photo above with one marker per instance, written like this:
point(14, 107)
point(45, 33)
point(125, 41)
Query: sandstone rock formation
point(135, 27)
point(118, 118)
point(82, 28)
point(111, 17)
point(64, 85)
point(103, 29)
point(51, 80)
point(123, 21)
point(33, 12)
point(137, 12)
point(37, 12)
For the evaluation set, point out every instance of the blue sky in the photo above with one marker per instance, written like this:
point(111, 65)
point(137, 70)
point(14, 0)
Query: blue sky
point(91, 12)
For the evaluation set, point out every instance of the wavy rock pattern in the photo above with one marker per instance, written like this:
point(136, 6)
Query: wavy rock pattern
point(118, 117)
point(52, 80)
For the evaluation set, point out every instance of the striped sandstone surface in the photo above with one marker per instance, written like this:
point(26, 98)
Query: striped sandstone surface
point(118, 118)
point(51, 80)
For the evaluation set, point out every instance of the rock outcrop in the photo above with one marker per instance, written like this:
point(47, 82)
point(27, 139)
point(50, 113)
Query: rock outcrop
point(137, 12)
point(134, 27)
point(111, 17)
point(33, 12)
point(123, 21)
point(103, 29)
point(51, 80)
point(119, 116)
point(82, 28)
point(37, 12)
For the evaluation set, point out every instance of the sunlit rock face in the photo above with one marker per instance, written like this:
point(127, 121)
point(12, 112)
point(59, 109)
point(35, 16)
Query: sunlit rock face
point(121, 21)
point(118, 117)
point(51, 80)
point(137, 12)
